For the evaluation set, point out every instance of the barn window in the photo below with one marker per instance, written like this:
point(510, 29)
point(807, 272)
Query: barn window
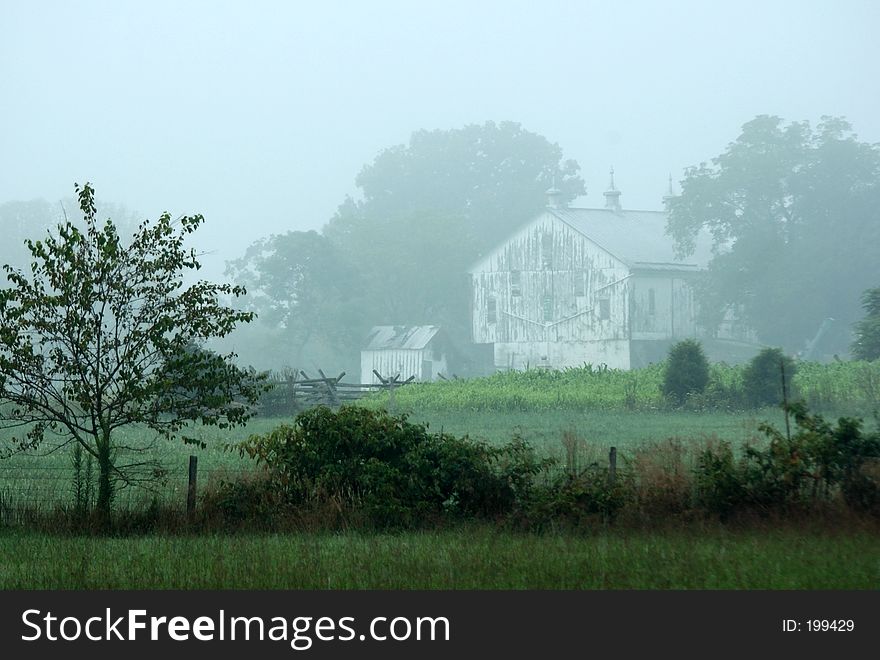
point(548, 308)
point(546, 251)
point(604, 309)
point(515, 283)
point(580, 285)
point(651, 303)
point(492, 310)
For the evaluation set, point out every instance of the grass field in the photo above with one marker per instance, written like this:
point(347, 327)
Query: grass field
point(470, 558)
point(44, 481)
point(600, 427)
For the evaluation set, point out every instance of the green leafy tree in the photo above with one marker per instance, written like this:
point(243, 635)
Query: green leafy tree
point(99, 335)
point(687, 371)
point(792, 212)
point(300, 283)
point(413, 270)
point(867, 343)
point(762, 378)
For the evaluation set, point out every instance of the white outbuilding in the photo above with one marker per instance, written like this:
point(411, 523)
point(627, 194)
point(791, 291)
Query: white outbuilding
point(420, 351)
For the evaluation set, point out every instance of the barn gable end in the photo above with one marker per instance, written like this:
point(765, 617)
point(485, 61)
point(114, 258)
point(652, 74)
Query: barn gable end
point(575, 286)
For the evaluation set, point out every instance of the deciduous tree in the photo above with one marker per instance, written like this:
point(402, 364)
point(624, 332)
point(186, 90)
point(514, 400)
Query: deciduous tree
point(101, 334)
point(793, 215)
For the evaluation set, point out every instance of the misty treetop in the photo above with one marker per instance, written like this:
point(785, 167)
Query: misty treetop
point(492, 175)
point(793, 211)
point(401, 254)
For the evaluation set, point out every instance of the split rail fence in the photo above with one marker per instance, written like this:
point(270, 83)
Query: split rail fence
point(305, 391)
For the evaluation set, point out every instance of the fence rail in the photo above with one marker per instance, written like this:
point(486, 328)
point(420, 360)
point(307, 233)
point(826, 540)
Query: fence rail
point(305, 391)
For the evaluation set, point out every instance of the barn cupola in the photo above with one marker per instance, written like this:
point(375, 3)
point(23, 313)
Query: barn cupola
point(554, 196)
point(612, 195)
point(669, 196)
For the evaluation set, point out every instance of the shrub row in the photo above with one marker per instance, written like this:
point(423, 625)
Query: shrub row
point(765, 381)
point(360, 467)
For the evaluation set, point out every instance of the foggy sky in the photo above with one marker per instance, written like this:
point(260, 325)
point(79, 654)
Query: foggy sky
point(260, 114)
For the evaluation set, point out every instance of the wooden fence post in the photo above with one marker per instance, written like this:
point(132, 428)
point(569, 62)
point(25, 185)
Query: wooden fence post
point(191, 488)
point(612, 467)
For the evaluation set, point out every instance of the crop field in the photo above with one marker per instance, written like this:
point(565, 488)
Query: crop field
point(840, 387)
point(467, 558)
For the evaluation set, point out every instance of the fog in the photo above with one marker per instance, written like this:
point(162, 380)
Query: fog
point(260, 115)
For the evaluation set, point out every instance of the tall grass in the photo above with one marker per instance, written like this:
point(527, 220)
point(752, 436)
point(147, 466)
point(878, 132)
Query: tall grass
point(469, 558)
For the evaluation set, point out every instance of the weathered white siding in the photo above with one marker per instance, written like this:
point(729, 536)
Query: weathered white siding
point(573, 303)
point(614, 353)
point(424, 364)
point(563, 276)
point(391, 362)
point(672, 315)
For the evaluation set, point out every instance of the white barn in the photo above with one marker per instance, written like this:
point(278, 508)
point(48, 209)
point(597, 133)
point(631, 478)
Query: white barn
point(597, 286)
point(422, 351)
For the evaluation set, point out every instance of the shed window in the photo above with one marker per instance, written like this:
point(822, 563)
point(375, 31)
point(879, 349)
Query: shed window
point(580, 285)
point(515, 283)
point(604, 309)
point(651, 302)
point(492, 310)
point(548, 308)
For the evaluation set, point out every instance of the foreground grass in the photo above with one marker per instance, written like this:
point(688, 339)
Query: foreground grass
point(470, 558)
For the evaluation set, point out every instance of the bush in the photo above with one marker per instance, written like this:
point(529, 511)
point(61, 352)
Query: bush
point(395, 472)
point(687, 371)
point(717, 483)
point(575, 500)
point(812, 465)
point(762, 378)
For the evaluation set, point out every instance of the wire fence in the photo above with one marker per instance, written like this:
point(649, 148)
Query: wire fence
point(44, 488)
point(29, 489)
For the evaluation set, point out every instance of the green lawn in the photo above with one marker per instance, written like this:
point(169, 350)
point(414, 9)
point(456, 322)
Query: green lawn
point(469, 558)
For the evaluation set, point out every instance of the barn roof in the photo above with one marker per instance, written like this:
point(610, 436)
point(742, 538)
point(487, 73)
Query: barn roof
point(414, 337)
point(637, 238)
